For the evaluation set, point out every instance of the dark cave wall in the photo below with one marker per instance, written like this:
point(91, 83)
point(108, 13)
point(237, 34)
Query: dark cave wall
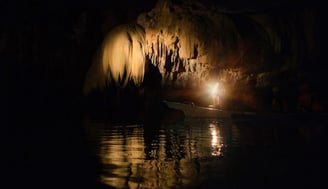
point(47, 47)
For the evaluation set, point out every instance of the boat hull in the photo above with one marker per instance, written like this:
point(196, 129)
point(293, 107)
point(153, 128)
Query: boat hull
point(191, 110)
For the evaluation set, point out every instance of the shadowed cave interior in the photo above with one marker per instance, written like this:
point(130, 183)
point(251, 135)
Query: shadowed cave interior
point(64, 62)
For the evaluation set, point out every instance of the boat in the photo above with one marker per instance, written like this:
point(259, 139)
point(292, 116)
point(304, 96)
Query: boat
point(192, 110)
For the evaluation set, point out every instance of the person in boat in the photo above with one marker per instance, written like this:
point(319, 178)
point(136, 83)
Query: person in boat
point(153, 106)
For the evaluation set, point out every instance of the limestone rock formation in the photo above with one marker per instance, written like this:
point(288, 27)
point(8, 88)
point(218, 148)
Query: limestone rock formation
point(193, 43)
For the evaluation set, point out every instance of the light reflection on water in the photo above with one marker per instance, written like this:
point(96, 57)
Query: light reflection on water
point(209, 153)
point(160, 156)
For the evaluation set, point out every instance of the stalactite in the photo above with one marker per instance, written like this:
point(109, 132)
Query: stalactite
point(120, 60)
point(189, 44)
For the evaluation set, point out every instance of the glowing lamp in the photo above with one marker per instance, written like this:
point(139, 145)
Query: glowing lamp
point(214, 89)
point(214, 92)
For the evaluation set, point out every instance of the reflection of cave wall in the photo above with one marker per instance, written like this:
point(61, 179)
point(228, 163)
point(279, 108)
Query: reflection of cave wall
point(137, 156)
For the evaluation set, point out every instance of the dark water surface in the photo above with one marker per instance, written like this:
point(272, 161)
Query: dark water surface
point(159, 156)
point(80, 152)
point(210, 153)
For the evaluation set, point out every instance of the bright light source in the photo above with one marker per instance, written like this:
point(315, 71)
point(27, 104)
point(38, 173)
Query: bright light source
point(214, 89)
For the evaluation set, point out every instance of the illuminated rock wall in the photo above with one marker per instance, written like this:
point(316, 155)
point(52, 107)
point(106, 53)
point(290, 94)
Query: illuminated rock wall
point(186, 43)
point(120, 59)
point(194, 43)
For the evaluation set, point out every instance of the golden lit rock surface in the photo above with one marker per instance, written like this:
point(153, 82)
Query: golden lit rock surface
point(194, 43)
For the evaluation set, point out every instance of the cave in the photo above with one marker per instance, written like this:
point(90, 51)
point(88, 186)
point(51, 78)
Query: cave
point(266, 56)
point(66, 61)
point(260, 55)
